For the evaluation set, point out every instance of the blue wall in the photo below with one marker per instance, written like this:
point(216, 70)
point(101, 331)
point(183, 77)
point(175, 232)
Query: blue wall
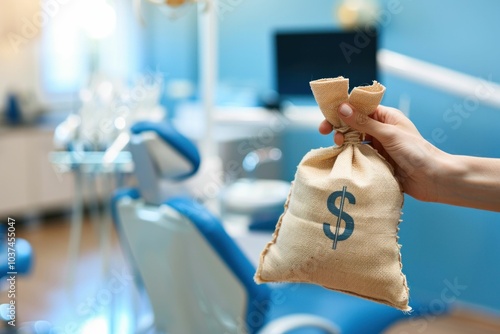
point(245, 46)
point(170, 39)
point(443, 242)
point(171, 48)
point(440, 243)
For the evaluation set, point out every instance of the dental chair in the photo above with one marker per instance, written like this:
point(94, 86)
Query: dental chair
point(198, 280)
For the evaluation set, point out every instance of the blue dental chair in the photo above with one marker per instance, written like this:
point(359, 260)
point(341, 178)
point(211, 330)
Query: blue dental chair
point(198, 280)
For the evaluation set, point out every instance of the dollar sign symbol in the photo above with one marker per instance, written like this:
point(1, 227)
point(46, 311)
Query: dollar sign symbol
point(341, 215)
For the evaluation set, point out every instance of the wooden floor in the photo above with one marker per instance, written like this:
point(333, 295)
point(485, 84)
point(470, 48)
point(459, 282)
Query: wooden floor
point(79, 299)
point(99, 293)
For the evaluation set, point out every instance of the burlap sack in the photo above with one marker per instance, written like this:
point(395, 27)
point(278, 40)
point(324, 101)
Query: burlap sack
point(340, 224)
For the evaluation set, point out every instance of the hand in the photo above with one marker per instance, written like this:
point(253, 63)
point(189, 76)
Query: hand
point(397, 139)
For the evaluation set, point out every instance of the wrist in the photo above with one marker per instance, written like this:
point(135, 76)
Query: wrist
point(468, 181)
point(449, 170)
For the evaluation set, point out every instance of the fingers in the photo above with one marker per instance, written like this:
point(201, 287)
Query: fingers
point(325, 127)
point(363, 123)
point(378, 127)
point(338, 138)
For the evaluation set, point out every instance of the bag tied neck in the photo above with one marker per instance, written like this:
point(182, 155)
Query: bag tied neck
point(351, 136)
point(331, 93)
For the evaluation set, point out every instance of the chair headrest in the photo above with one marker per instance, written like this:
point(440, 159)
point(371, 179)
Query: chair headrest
point(174, 156)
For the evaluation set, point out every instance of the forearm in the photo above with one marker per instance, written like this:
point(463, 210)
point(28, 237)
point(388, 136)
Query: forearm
point(469, 181)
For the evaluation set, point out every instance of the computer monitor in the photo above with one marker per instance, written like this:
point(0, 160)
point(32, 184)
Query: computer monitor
point(304, 56)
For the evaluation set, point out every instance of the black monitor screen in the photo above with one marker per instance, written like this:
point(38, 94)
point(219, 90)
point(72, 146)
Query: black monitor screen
point(305, 56)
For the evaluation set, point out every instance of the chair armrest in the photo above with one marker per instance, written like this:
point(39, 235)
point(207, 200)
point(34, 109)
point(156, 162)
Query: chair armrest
point(293, 321)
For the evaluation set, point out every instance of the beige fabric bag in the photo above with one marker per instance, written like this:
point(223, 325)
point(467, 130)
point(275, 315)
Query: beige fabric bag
point(340, 224)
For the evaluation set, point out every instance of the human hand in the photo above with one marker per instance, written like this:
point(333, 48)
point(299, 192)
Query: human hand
point(397, 139)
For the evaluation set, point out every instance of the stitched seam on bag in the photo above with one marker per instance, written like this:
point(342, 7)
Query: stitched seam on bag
point(403, 276)
point(258, 278)
point(382, 301)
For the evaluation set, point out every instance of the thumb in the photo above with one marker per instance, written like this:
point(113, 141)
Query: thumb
point(361, 122)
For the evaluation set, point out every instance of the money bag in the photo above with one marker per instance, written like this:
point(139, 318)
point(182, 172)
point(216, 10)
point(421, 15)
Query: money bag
point(340, 224)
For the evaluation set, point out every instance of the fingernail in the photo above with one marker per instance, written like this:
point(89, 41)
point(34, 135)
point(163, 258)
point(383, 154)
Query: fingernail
point(345, 110)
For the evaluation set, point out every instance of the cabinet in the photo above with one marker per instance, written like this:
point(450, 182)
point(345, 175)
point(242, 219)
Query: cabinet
point(28, 181)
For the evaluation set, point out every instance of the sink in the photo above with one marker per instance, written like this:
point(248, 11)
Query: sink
point(247, 196)
point(259, 202)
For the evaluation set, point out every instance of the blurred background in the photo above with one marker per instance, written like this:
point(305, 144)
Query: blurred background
point(233, 77)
